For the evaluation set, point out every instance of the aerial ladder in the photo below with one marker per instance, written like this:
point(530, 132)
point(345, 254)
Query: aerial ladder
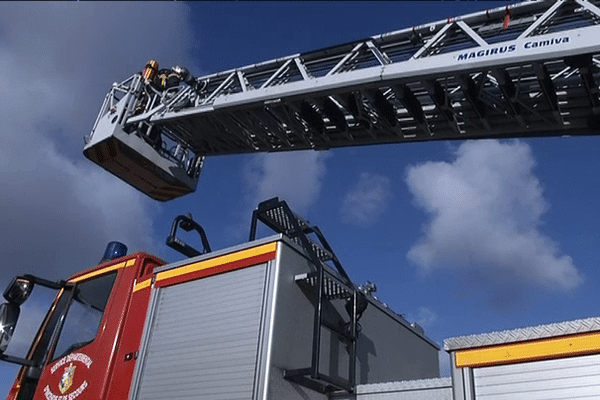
point(524, 70)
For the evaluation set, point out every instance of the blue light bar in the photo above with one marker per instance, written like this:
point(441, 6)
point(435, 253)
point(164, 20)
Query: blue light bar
point(114, 250)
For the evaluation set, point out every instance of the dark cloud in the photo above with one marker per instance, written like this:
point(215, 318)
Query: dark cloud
point(57, 210)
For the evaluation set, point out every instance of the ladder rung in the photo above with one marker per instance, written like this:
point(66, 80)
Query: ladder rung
point(323, 383)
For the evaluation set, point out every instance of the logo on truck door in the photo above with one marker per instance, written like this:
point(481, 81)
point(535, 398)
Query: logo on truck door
point(67, 377)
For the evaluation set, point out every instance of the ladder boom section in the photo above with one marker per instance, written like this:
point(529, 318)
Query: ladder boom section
point(527, 69)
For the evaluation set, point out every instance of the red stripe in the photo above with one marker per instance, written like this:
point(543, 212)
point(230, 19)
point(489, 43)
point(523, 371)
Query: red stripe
point(219, 269)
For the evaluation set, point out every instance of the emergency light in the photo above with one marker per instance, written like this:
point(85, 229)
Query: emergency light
point(114, 250)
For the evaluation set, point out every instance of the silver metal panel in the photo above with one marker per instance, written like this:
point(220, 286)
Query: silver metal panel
point(422, 389)
point(204, 339)
point(567, 378)
point(265, 344)
point(522, 334)
point(388, 348)
point(419, 384)
point(462, 382)
point(288, 330)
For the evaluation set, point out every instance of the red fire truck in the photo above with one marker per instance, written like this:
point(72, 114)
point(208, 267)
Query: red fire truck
point(273, 318)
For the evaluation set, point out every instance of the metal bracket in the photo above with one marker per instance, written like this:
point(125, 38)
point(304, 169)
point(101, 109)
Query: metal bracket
point(186, 223)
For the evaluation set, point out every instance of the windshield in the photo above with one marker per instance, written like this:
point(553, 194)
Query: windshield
point(85, 312)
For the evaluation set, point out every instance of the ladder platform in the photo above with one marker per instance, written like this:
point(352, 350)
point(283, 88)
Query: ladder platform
point(278, 217)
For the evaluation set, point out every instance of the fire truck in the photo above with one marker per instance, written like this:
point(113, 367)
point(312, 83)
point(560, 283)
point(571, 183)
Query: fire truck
point(278, 317)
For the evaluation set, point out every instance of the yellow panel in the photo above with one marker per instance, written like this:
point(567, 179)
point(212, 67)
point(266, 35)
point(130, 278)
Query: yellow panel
point(240, 255)
point(98, 272)
point(142, 285)
point(103, 270)
point(534, 350)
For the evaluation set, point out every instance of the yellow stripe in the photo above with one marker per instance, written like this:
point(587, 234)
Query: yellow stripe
point(213, 262)
point(539, 349)
point(142, 285)
point(103, 271)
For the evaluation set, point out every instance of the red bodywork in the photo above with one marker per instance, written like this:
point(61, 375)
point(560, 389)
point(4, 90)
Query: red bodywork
point(102, 369)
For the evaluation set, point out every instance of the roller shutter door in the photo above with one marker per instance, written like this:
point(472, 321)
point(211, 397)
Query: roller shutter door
point(566, 378)
point(204, 341)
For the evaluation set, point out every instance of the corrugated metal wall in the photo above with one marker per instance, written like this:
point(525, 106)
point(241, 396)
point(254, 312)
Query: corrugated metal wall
point(205, 337)
point(567, 378)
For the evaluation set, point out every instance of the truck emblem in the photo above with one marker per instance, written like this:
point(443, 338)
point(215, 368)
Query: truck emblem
point(67, 379)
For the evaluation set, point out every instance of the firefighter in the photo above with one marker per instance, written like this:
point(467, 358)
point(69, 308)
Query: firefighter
point(168, 78)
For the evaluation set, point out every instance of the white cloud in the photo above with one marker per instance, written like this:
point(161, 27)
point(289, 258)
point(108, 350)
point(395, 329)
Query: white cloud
point(485, 210)
point(426, 317)
point(295, 177)
point(367, 200)
point(58, 210)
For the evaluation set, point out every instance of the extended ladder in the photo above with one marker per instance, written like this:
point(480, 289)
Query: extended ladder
point(527, 69)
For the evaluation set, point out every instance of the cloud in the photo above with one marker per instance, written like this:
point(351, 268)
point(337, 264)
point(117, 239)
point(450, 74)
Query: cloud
point(426, 317)
point(485, 211)
point(367, 200)
point(58, 210)
point(292, 176)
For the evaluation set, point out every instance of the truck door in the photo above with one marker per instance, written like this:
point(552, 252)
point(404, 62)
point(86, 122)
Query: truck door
point(77, 352)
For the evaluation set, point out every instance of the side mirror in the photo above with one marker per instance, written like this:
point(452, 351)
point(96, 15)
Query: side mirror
point(9, 314)
point(18, 291)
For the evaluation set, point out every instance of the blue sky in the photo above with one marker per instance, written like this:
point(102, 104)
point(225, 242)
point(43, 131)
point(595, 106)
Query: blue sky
point(461, 237)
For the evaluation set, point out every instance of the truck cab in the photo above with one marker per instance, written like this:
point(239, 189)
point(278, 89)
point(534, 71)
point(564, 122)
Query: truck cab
point(79, 349)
